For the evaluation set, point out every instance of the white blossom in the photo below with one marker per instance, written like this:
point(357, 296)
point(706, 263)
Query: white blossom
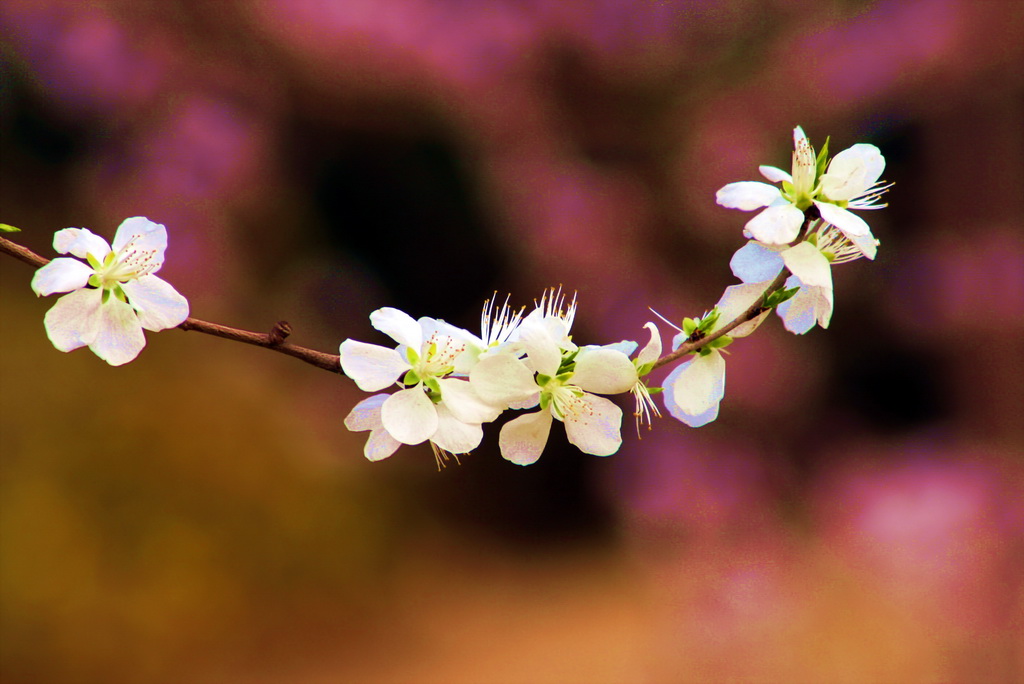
point(113, 295)
point(850, 182)
point(562, 379)
point(430, 405)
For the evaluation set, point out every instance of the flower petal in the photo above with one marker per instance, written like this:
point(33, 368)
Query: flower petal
point(756, 263)
point(61, 275)
point(652, 350)
point(399, 326)
point(779, 224)
point(366, 414)
point(144, 236)
point(79, 242)
point(735, 300)
point(371, 366)
point(843, 219)
point(808, 306)
point(595, 428)
point(852, 172)
point(157, 303)
point(809, 265)
point(380, 445)
point(454, 435)
point(747, 195)
point(409, 416)
point(118, 337)
point(695, 386)
point(465, 404)
point(775, 174)
point(72, 321)
point(522, 440)
point(542, 345)
point(603, 370)
point(502, 380)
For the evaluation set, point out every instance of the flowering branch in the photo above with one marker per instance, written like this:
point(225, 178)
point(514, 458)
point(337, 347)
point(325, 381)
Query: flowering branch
point(273, 340)
point(441, 384)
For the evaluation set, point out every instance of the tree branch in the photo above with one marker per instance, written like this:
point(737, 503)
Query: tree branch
point(755, 309)
point(273, 340)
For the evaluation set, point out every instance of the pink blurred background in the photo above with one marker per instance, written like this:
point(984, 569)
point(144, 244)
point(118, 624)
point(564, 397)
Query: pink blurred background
point(856, 514)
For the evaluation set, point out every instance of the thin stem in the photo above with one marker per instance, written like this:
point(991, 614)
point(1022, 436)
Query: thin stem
point(273, 340)
point(755, 309)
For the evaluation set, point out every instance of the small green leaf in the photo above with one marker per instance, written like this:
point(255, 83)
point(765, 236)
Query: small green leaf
point(720, 343)
point(7, 228)
point(821, 161)
point(689, 325)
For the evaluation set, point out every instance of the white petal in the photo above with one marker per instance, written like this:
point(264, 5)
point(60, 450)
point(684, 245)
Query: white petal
point(595, 428)
point(779, 224)
point(747, 195)
point(735, 300)
point(399, 326)
point(695, 386)
point(454, 435)
point(366, 414)
point(79, 242)
point(652, 350)
point(522, 440)
point(605, 371)
point(543, 351)
point(119, 337)
point(144, 236)
point(502, 380)
point(852, 172)
point(72, 321)
point(157, 303)
point(409, 416)
point(867, 244)
point(698, 420)
point(808, 306)
point(464, 403)
point(809, 265)
point(756, 263)
point(843, 219)
point(775, 174)
point(61, 275)
point(380, 445)
point(371, 366)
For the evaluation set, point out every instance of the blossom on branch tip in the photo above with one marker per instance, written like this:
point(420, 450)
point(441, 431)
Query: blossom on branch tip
point(849, 182)
point(113, 295)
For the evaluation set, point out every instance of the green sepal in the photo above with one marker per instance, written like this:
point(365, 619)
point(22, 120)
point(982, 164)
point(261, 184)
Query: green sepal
point(779, 296)
point(411, 378)
point(8, 228)
point(644, 369)
point(434, 386)
point(104, 296)
point(542, 379)
point(655, 390)
point(813, 239)
point(545, 401)
point(719, 342)
point(94, 280)
point(93, 261)
point(119, 293)
point(412, 355)
point(787, 188)
point(821, 161)
point(689, 325)
point(563, 377)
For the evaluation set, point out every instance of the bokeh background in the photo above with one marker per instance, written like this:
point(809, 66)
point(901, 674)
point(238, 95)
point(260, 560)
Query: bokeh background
point(856, 514)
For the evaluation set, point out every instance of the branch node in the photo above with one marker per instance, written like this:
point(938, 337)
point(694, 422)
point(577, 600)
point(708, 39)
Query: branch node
point(280, 331)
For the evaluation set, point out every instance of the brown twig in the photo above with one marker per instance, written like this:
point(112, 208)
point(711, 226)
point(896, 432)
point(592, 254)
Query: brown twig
point(755, 309)
point(273, 340)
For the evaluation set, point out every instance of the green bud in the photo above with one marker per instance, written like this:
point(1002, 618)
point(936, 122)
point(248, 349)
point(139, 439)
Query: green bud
point(822, 161)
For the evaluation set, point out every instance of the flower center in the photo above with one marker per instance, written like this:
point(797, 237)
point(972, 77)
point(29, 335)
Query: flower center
point(129, 263)
point(438, 359)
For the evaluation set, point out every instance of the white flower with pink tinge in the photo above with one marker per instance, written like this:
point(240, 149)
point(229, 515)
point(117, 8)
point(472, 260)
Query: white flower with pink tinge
point(113, 295)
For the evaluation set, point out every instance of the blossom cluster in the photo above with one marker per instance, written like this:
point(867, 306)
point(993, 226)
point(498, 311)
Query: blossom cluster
point(441, 384)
